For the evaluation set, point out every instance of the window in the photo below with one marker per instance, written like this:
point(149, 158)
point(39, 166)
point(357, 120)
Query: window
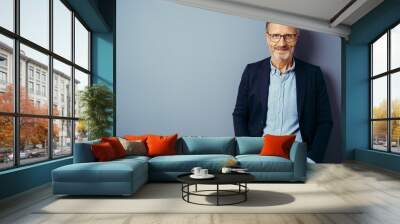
point(385, 94)
point(33, 147)
point(6, 142)
point(30, 87)
point(3, 78)
point(3, 61)
point(35, 21)
point(3, 72)
point(62, 29)
point(62, 74)
point(81, 45)
point(46, 73)
point(37, 75)
point(37, 89)
point(62, 137)
point(44, 91)
point(81, 81)
point(7, 14)
point(30, 72)
point(6, 72)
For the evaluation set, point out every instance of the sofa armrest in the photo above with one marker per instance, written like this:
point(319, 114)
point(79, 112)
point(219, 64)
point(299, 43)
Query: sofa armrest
point(83, 152)
point(298, 155)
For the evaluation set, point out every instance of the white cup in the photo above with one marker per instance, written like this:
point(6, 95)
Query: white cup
point(203, 172)
point(226, 170)
point(196, 171)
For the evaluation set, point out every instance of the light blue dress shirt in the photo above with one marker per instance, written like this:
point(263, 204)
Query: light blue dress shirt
point(282, 117)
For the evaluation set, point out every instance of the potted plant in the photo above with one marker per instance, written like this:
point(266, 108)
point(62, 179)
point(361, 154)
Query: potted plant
point(96, 102)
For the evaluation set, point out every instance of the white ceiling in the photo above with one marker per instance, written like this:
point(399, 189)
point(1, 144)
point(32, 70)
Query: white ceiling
point(320, 9)
point(316, 15)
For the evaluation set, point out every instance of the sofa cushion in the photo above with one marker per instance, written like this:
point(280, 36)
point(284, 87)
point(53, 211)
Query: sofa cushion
point(111, 171)
point(134, 147)
point(132, 158)
point(257, 163)
point(207, 145)
point(249, 145)
point(136, 137)
point(116, 144)
point(103, 152)
point(277, 145)
point(185, 163)
point(161, 145)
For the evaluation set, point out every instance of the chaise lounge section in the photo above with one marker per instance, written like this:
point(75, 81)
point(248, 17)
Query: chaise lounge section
point(88, 177)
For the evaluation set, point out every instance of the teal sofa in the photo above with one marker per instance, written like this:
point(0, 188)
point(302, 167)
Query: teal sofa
point(125, 176)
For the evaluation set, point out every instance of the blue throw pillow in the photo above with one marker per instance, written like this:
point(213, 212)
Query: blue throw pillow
point(207, 145)
point(249, 145)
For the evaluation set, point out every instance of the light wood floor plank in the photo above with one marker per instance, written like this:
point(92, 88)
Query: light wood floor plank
point(375, 189)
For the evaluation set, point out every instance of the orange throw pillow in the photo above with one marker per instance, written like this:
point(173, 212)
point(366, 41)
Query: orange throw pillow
point(277, 145)
point(161, 145)
point(103, 152)
point(116, 145)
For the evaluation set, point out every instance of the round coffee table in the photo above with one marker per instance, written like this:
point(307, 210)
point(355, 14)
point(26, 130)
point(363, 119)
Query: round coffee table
point(238, 179)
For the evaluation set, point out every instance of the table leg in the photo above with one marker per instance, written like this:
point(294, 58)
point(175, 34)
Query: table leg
point(245, 193)
point(196, 188)
point(182, 189)
point(217, 194)
point(188, 190)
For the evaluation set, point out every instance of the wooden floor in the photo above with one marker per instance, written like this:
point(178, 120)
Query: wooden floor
point(378, 188)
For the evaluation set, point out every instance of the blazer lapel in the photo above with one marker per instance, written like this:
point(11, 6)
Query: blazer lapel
point(300, 86)
point(264, 79)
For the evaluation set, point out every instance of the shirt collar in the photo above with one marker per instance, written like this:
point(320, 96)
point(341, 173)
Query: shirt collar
point(274, 69)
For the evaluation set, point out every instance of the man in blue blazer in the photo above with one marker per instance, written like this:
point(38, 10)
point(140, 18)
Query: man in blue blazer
point(283, 95)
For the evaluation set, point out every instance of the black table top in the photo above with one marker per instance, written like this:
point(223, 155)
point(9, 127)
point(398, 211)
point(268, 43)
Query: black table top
point(220, 178)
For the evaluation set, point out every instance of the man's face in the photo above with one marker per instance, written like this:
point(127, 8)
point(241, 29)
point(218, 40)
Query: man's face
point(281, 41)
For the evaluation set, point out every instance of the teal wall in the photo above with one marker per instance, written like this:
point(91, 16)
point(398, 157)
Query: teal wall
point(356, 93)
point(24, 178)
point(103, 51)
point(102, 60)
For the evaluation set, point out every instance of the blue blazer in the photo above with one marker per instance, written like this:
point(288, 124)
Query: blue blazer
point(313, 107)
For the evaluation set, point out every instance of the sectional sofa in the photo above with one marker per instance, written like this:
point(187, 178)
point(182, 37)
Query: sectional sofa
point(125, 176)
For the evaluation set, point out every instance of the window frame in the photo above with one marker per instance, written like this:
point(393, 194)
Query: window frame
point(388, 74)
point(16, 114)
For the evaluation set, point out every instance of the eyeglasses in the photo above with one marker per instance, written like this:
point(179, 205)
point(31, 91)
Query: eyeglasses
point(290, 37)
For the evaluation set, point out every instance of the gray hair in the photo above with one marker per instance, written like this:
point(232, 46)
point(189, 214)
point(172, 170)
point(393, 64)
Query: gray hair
point(267, 23)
